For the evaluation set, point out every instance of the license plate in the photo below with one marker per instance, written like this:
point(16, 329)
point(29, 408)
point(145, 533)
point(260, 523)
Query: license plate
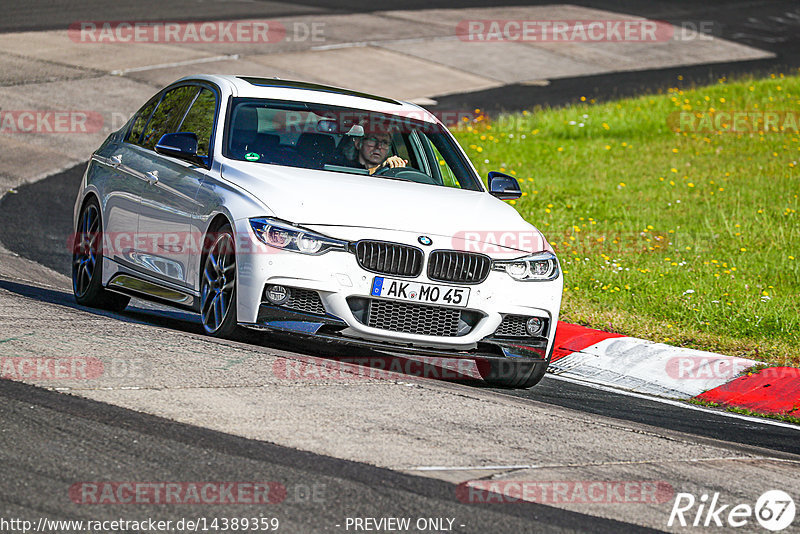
point(417, 292)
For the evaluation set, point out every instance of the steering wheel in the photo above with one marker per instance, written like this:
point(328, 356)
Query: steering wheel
point(405, 173)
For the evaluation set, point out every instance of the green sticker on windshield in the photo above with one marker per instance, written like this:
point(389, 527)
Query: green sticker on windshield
point(252, 156)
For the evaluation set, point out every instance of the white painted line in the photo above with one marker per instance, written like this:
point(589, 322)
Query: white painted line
point(122, 72)
point(337, 46)
point(474, 468)
point(358, 44)
point(560, 466)
point(681, 404)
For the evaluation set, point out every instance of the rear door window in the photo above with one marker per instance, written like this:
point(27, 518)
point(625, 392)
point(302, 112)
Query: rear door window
point(142, 116)
point(169, 114)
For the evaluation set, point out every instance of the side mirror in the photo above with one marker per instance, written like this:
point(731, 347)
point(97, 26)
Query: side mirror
point(503, 186)
point(181, 145)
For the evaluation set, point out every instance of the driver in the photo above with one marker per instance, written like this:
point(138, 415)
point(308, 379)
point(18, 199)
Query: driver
point(372, 151)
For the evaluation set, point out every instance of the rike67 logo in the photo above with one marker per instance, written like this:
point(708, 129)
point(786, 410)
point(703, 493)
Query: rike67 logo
point(774, 510)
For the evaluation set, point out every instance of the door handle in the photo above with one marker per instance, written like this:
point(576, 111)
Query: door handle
point(116, 160)
point(152, 177)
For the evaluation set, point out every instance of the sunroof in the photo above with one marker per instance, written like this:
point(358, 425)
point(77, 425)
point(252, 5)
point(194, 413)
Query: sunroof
point(289, 84)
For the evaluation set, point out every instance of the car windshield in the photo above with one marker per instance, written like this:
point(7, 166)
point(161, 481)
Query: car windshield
point(317, 136)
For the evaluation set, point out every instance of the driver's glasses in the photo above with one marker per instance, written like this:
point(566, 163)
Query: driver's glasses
point(381, 143)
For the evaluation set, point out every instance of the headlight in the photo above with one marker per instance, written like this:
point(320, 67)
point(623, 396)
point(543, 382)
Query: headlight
point(537, 267)
point(284, 236)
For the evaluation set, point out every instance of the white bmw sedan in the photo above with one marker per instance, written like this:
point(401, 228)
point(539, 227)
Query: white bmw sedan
point(320, 212)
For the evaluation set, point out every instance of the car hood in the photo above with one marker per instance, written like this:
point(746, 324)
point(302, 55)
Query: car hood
point(333, 199)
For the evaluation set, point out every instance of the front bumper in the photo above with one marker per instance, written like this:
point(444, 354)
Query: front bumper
point(339, 280)
point(329, 329)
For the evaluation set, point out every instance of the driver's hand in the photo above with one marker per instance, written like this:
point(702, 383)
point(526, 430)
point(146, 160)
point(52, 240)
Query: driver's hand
point(395, 161)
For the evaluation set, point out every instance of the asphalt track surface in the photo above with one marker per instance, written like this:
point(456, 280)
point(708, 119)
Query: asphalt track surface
point(772, 25)
point(46, 242)
point(134, 446)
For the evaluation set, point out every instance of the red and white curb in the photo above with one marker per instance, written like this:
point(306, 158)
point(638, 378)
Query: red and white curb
point(658, 369)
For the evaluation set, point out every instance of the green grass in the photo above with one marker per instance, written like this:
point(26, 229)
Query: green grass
point(688, 238)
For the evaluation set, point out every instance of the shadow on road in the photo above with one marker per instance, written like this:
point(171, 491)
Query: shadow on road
point(345, 363)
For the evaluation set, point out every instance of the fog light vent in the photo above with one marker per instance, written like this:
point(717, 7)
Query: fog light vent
point(534, 326)
point(277, 294)
point(521, 326)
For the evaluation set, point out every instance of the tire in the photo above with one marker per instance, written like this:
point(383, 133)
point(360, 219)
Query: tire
point(512, 374)
point(218, 284)
point(507, 373)
point(87, 262)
